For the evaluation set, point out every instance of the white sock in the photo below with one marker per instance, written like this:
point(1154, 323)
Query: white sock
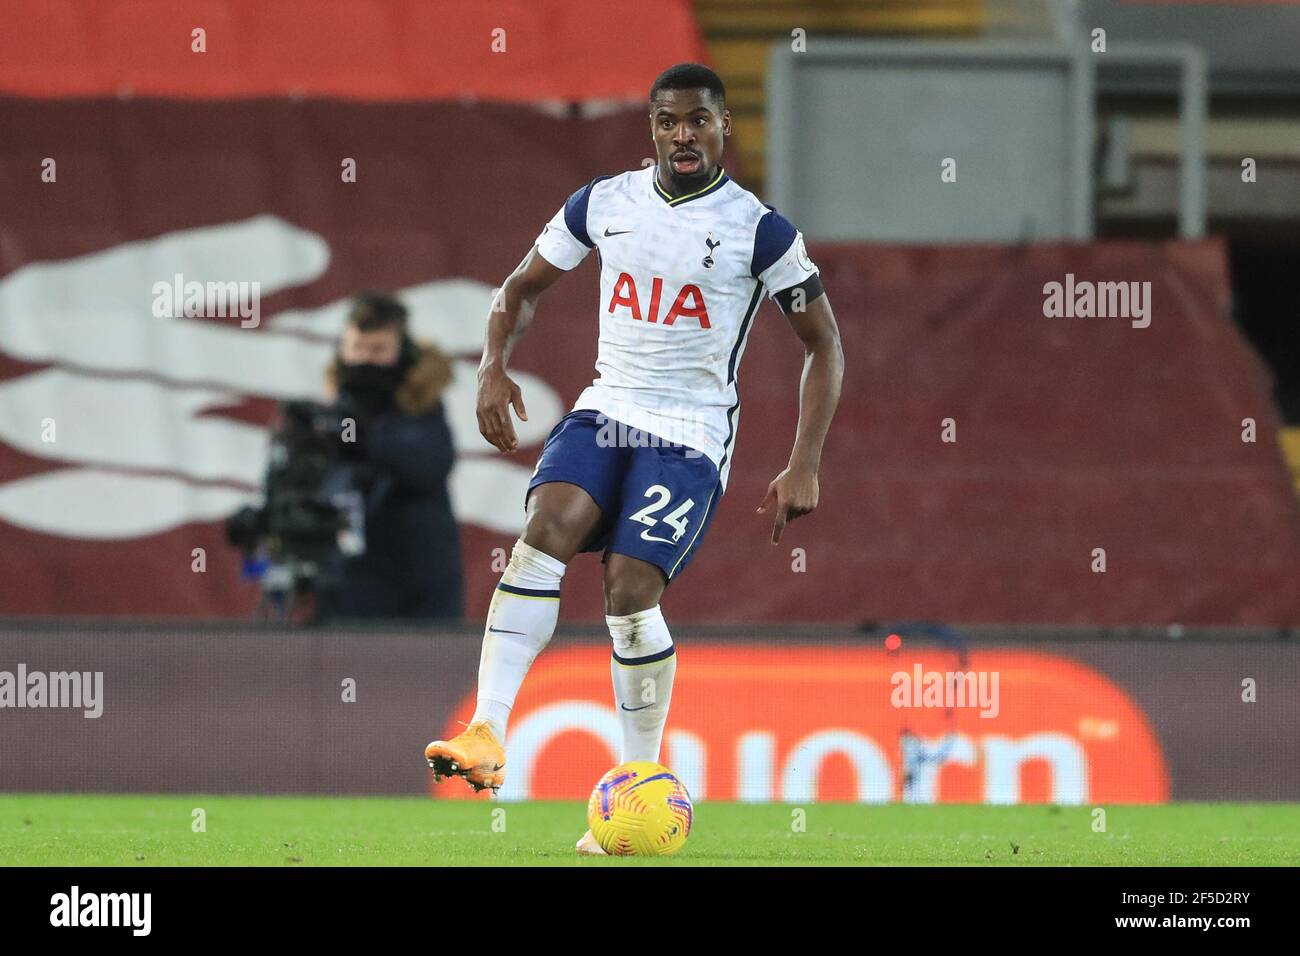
point(520, 622)
point(642, 668)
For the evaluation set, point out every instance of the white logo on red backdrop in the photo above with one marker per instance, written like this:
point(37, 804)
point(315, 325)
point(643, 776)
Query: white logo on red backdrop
point(136, 400)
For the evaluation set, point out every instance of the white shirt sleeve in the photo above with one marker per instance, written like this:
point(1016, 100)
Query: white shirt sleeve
point(564, 241)
point(791, 268)
point(559, 246)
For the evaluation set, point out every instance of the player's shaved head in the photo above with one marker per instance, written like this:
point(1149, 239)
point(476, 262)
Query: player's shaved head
point(689, 76)
point(688, 121)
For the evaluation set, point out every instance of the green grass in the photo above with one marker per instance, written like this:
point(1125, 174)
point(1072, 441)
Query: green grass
point(71, 830)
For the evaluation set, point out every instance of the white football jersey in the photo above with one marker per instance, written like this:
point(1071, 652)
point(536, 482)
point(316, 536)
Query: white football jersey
point(680, 282)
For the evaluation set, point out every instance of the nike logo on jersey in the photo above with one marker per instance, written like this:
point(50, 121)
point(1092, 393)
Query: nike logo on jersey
point(501, 630)
point(620, 232)
point(633, 710)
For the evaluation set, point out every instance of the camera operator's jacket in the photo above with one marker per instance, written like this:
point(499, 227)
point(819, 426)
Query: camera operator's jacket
point(411, 565)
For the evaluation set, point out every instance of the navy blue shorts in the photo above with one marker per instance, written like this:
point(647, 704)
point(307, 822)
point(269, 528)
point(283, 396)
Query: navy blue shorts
point(656, 499)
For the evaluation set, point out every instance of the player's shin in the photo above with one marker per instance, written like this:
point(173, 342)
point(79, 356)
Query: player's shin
point(643, 667)
point(520, 622)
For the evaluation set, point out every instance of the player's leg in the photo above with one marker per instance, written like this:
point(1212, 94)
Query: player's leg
point(643, 663)
point(526, 604)
point(669, 494)
point(572, 488)
point(520, 622)
point(644, 660)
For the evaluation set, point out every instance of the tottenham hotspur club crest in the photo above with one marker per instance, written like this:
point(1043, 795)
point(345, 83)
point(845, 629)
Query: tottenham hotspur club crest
point(712, 244)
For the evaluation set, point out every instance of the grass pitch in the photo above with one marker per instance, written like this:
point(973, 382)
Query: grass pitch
point(76, 830)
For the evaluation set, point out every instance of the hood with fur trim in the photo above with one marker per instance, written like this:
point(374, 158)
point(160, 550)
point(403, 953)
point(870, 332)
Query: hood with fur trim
point(421, 390)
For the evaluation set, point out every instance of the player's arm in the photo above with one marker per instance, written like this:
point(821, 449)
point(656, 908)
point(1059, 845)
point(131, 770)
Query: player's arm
point(781, 263)
point(512, 311)
point(562, 245)
point(794, 492)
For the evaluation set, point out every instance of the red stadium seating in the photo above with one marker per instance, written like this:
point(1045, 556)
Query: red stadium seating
point(355, 49)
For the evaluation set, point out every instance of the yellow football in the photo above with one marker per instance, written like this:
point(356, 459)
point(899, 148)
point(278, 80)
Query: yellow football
point(640, 809)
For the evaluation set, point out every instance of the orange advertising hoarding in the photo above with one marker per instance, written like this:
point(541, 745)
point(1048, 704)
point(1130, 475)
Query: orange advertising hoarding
point(801, 724)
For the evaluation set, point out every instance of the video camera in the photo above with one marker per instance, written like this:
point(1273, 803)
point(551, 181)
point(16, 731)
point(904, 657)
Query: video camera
point(303, 525)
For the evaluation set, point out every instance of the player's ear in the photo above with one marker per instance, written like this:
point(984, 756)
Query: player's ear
point(726, 122)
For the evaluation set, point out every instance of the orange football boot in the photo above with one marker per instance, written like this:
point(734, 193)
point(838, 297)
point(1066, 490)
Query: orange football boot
point(474, 753)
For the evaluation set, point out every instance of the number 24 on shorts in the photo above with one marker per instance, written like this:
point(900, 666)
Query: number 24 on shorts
point(675, 519)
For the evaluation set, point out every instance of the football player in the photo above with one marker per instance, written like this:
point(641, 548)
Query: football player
point(637, 468)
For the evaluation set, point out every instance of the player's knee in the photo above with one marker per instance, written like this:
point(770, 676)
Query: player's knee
point(532, 567)
point(550, 533)
point(628, 594)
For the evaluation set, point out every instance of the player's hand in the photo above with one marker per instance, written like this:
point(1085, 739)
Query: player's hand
point(794, 494)
point(496, 393)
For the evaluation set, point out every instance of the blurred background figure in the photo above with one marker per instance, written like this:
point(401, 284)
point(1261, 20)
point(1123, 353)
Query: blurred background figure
point(397, 455)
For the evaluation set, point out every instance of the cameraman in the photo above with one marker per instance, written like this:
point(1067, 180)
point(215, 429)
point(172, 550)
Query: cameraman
point(396, 468)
